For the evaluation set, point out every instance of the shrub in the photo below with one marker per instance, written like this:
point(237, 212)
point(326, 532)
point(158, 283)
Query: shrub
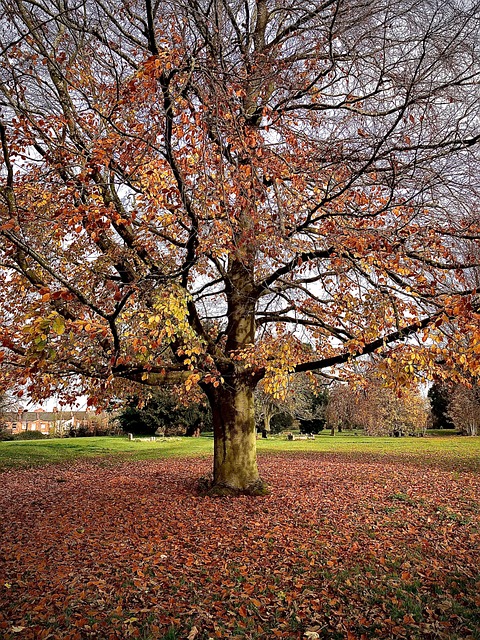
point(6, 436)
point(94, 428)
point(281, 422)
point(315, 425)
point(30, 435)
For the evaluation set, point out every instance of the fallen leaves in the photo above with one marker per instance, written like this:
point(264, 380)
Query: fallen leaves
point(341, 549)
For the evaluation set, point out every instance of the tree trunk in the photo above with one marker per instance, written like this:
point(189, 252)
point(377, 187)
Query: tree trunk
point(266, 424)
point(235, 463)
point(233, 410)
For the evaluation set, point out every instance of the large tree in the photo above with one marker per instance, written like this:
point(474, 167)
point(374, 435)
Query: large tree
point(193, 190)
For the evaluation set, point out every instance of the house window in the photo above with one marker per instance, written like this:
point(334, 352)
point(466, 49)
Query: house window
point(24, 426)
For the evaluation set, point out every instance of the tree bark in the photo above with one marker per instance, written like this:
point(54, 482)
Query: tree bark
point(266, 424)
point(233, 410)
point(235, 457)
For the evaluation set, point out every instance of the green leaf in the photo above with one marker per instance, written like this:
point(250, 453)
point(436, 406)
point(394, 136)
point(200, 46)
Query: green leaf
point(58, 325)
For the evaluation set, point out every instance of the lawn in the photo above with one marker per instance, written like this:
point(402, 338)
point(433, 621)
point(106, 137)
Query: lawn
point(359, 538)
point(58, 450)
point(460, 453)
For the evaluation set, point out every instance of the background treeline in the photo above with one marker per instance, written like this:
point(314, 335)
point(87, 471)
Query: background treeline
point(372, 407)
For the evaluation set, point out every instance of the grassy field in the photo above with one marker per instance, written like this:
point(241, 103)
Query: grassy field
point(448, 451)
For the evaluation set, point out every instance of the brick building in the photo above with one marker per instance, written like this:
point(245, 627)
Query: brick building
point(53, 422)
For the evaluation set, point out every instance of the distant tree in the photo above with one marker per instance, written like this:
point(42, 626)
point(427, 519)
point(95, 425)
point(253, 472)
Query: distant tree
point(94, 425)
point(377, 408)
point(7, 404)
point(464, 408)
point(440, 396)
point(163, 411)
point(341, 411)
point(299, 399)
point(281, 422)
point(267, 406)
point(319, 400)
point(290, 399)
point(313, 419)
point(384, 411)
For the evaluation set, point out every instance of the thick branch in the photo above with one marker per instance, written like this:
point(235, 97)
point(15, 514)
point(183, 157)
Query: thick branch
point(369, 348)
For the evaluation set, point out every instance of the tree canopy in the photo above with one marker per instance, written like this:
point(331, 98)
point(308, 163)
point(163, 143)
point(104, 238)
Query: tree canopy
point(217, 193)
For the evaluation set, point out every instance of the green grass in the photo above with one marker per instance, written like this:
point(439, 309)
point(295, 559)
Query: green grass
point(58, 450)
point(456, 452)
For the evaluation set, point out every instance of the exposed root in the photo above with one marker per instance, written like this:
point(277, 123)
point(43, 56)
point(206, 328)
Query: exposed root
point(206, 486)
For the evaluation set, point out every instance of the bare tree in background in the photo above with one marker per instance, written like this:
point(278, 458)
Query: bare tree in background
point(8, 404)
point(464, 409)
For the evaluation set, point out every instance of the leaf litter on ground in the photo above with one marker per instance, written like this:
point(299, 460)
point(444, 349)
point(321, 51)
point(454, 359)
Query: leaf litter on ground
point(341, 548)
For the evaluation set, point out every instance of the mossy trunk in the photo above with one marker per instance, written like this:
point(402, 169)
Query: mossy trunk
point(233, 411)
point(235, 458)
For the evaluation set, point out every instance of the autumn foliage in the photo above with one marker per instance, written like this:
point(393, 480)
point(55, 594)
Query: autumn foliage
point(214, 194)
